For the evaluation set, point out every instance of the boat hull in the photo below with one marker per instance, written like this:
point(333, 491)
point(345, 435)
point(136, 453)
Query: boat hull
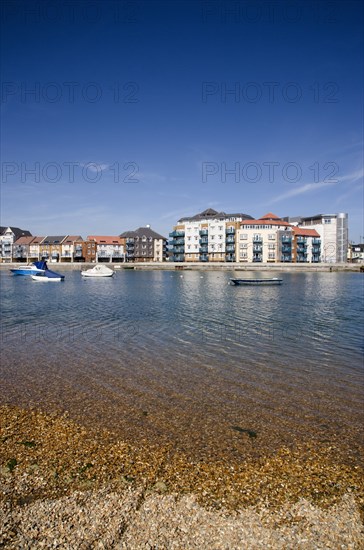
point(24, 271)
point(45, 279)
point(256, 282)
point(85, 274)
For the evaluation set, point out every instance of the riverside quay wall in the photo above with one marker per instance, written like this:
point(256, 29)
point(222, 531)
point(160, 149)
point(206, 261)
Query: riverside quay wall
point(218, 266)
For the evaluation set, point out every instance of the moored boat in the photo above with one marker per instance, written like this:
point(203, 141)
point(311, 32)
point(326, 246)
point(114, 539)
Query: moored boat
point(29, 269)
point(98, 271)
point(48, 275)
point(258, 282)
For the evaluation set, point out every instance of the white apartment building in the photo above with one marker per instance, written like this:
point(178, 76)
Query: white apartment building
point(209, 236)
point(333, 231)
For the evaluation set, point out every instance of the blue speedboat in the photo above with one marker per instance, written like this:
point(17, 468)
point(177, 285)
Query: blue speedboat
point(32, 269)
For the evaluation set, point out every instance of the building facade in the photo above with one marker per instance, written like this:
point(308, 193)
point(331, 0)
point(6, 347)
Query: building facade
point(333, 231)
point(144, 245)
point(209, 236)
point(271, 239)
point(108, 248)
point(8, 235)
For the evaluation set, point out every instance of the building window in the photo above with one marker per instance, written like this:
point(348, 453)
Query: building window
point(327, 221)
point(271, 246)
point(243, 236)
point(271, 237)
point(271, 255)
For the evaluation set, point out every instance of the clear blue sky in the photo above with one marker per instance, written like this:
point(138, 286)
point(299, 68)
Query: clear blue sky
point(178, 93)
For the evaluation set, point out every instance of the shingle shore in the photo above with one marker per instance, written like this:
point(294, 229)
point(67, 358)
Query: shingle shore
point(62, 483)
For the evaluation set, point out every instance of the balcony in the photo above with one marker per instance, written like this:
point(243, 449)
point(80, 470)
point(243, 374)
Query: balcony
point(204, 240)
point(204, 232)
point(230, 257)
point(177, 234)
point(257, 239)
point(286, 249)
point(230, 248)
point(257, 248)
point(316, 241)
point(301, 250)
point(178, 258)
point(230, 239)
point(257, 258)
point(286, 239)
point(301, 240)
point(178, 241)
point(204, 258)
point(316, 250)
point(178, 249)
point(203, 250)
point(286, 258)
point(230, 231)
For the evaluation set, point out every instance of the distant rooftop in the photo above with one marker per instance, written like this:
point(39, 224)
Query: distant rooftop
point(142, 232)
point(211, 214)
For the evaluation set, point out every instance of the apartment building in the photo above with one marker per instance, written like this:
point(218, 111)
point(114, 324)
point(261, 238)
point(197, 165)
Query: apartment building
point(108, 248)
point(68, 247)
point(21, 249)
point(271, 239)
point(208, 236)
point(333, 232)
point(144, 245)
point(84, 251)
point(50, 248)
point(8, 235)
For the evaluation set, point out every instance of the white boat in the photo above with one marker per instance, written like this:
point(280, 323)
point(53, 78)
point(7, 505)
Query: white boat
point(257, 282)
point(98, 271)
point(45, 279)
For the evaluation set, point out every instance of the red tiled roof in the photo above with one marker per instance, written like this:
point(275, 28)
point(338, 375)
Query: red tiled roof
point(265, 222)
point(24, 240)
point(101, 239)
point(71, 238)
point(270, 216)
point(305, 232)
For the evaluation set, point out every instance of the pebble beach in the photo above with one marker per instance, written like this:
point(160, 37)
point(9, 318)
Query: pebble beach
point(64, 485)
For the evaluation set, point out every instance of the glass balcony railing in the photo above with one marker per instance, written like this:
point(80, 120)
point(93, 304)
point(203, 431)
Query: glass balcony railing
point(286, 249)
point(177, 234)
point(230, 231)
point(230, 239)
point(230, 248)
point(316, 241)
point(204, 258)
point(286, 239)
point(204, 240)
point(257, 239)
point(257, 248)
point(203, 250)
point(204, 232)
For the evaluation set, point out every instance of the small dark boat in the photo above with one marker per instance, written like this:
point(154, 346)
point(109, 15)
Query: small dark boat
point(257, 282)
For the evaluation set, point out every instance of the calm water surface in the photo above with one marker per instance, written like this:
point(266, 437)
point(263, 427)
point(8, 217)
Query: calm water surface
point(183, 357)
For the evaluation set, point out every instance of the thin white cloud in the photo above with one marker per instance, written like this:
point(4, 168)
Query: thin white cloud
point(308, 187)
